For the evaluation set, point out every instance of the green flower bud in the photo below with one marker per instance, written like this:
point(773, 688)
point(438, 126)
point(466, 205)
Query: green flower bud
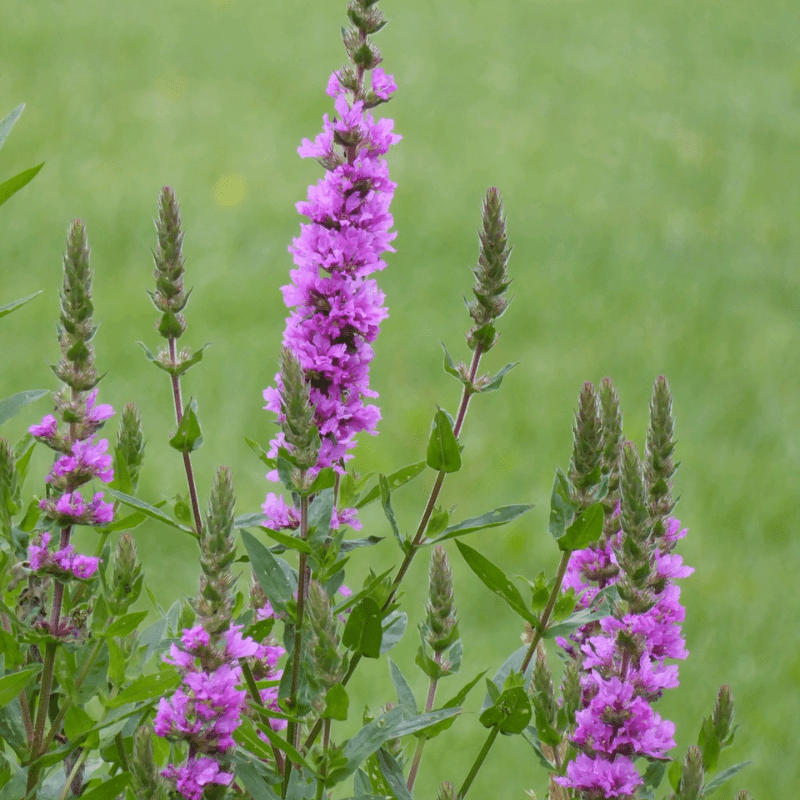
point(298, 410)
point(544, 695)
point(169, 296)
point(571, 692)
point(76, 328)
point(612, 450)
point(691, 775)
point(327, 668)
point(10, 500)
point(129, 441)
point(441, 625)
point(722, 716)
point(126, 583)
point(446, 791)
point(587, 447)
point(146, 780)
point(659, 466)
point(491, 274)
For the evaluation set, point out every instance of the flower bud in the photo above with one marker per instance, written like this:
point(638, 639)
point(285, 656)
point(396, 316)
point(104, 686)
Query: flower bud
point(298, 411)
point(446, 791)
point(691, 774)
point(722, 716)
point(660, 444)
point(441, 625)
point(10, 501)
point(612, 450)
point(76, 329)
point(127, 580)
point(169, 296)
point(491, 274)
point(327, 668)
point(571, 692)
point(145, 779)
point(544, 695)
point(129, 441)
point(587, 447)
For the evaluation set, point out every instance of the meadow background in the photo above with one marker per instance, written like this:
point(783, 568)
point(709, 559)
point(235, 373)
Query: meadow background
point(647, 154)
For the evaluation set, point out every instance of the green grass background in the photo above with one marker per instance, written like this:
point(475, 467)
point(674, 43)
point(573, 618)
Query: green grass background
point(647, 153)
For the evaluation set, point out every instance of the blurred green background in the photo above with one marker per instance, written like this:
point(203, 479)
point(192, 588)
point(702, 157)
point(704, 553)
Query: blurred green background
point(648, 158)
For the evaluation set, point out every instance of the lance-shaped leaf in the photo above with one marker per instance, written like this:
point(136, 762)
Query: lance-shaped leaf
point(395, 480)
point(7, 123)
point(261, 453)
point(491, 519)
point(11, 406)
point(496, 581)
point(444, 454)
point(585, 530)
point(13, 306)
point(386, 503)
point(288, 541)
point(723, 776)
point(253, 781)
point(453, 702)
point(394, 626)
point(13, 185)
point(393, 774)
point(337, 703)
point(562, 509)
point(405, 697)
point(148, 687)
point(269, 574)
point(188, 437)
point(181, 367)
point(496, 380)
point(512, 664)
point(11, 685)
point(148, 510)
point(254, 520)
point(450, 366)
point(110, 788)
point(363, 632)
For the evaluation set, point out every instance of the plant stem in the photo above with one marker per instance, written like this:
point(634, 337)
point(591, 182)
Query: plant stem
point(412, 773)
point(293, 730)
point(252, 687)
point(23, 698)
point(419, 536)
point(548, 610)
point(187, 461)
point(487, 746)
point(78, 764)
point(326, 738)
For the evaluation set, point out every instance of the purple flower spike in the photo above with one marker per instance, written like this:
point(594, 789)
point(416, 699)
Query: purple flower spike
point(336, 307)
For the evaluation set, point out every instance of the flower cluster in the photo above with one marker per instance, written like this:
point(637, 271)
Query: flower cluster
point(207, 708)
point(63, 563)
point(336, 307)
point(623, 670)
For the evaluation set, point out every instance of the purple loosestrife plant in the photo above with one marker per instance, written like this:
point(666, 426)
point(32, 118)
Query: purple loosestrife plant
point(336, 306)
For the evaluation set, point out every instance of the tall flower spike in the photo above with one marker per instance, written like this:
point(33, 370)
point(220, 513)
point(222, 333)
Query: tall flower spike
point(130, 442)
point(336, 307)
point(76, 329)
point(299, 430)
point(587, 448)
point(491, 275)
point(169, 297)
point(327, 668)
point(659, 448)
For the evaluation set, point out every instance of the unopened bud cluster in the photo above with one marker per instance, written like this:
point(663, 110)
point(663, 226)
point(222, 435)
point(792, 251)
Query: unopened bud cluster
point(441, 623)
point(169, 296)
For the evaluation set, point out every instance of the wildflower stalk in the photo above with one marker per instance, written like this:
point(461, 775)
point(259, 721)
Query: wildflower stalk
point(170, 298)
point(487, 746)
point(412, 773)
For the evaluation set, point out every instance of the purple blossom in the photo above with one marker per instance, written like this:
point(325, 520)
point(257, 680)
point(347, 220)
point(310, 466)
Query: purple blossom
point(102, 512)
point(598, 778)
point(88, 460)
point(46, 429)
point(63, 562)
point(195, 774)
point(97, 414)
point(71, 505)
point(336, 307)
point(37, 550)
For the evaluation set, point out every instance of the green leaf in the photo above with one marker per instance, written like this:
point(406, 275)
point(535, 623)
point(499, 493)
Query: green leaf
point(125, 625)
point(453, 702)
point(109, 789)
point(281, 744)
point(148, 687)
point(722, 777)
point(254, 520)
point(11, 685)
point(326, 479)
point(11, 406)
point(122, 478)
point(444, 454)
point(363, 632)
point(491, 519)
point(268, 572)
point(450, 365)
point(424, 721)
point(393, 774)
point(396, 480)
point(261, 453)
point(496, 581)
point(9, 307)
point(148, 510)
point(247, 736)
point(394, 626)
point(497, 379)
point(405, 697)
point(386, 502)
point(188, 437)
point(585, 530)
point(13, 185)
point(11, 730)
point(253, 782)
point(97, 675)
point(77, 722)
point(511, 713)
point(320, 514)
point(367, 541)
point(562, 509)
point(337, 703)
point(126, 523)
point(288, 541)
point(7, 123)
point(367, 741)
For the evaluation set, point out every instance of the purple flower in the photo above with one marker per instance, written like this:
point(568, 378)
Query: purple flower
point(336, 307)
point(46, 429)
point(101, 512)
point(71, 505)
point(597, 778)
point(37, 550)
point(194, 775)
point(88, 460)
point(97, 414)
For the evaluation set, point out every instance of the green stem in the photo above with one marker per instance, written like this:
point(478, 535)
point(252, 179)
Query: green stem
point(419, 536)
point(487, 746)
point(293, 730)
point(326, 737)
point(412, 773)
point(123, 756)
point(78, 764)
point(548, 610)
point(187, 461)
point(252, 687)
